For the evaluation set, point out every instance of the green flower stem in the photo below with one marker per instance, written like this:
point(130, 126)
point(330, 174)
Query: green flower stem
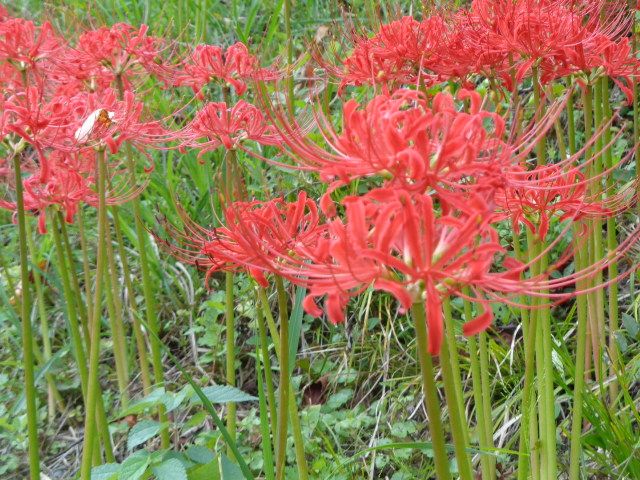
point(141, 345)
point(53, 395)
point(82, 310)
point(118, 335)
point(485, 431)
point(581, 255)
point(528, 454)
point(454, 361)
point(230, 350)
point(148, 291)
point(76, 337)
point(597, 251)
point(86, 270)
point(95, 324)
point(612, 246)
point(548, 389)
point(284, 384)
point(265, 425)
point(592, 327)
point(27, 333)
point(547, 424)
point(289, 35)
point(486, 391)
point(229, 164)
point(453, 392)
point(266, 362)
point(294, 416)
point(579, 375)
point(431, 400)
point(151, 314)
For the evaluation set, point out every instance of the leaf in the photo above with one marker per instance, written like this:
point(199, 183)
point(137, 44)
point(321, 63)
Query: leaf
point(208, 406)
point(225, 394)
point(295, 326)
point(141, 432)
point(630, 325)
point(155, 398)
point(108, 471)
point(210, 471)
point(134, 467)
point(171, 469)
point(200, 454)
point(230, 470)
point(339, 398)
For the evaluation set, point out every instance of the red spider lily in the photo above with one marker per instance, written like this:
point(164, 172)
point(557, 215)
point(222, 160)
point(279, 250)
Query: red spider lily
point(466, 51)
point(120, 51)
point(102, 118)
point(38, 120)
point(70, 183)
point(545, 192)
point(558, 35)
point(395, 54)
point(234, 66)
point(620, 63)
point(70, 123)
point(406, 141)
point(64, 187)
point(228, 127)
point(24, 44)
point(393, 240)
point(256, 237)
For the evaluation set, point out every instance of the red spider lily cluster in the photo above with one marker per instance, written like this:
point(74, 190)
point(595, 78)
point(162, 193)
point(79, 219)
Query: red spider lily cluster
point(444, 171)
point(62, 101)
point(504, 40)
point(441, 172)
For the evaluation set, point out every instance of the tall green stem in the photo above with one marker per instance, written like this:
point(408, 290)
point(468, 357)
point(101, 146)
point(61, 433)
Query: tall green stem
point(148, 291)
point(118, 335)
point(453, 392)
point(93, 387)
point(230, 350)
point(27, 333)
point(141, 345)
point(485, 432)
point(597, 250)
point(86, 270)
point(52, 392)
point(454, 361)
point(74, 333)
point(579, 375)
point(612, 246)
point(294, 416)
point(283, 387)
point(431, 401)
point(547, 413)
point(289, 35)
point(266, 361)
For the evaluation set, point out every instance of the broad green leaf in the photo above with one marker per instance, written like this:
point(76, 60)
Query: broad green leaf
point(108, 471)
point(141, 432)
point(210, 471)
point(200, 454)
point(230, 470)
point(155, 398)
point(225, 394)
point(171, 469)
point(134, 467)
